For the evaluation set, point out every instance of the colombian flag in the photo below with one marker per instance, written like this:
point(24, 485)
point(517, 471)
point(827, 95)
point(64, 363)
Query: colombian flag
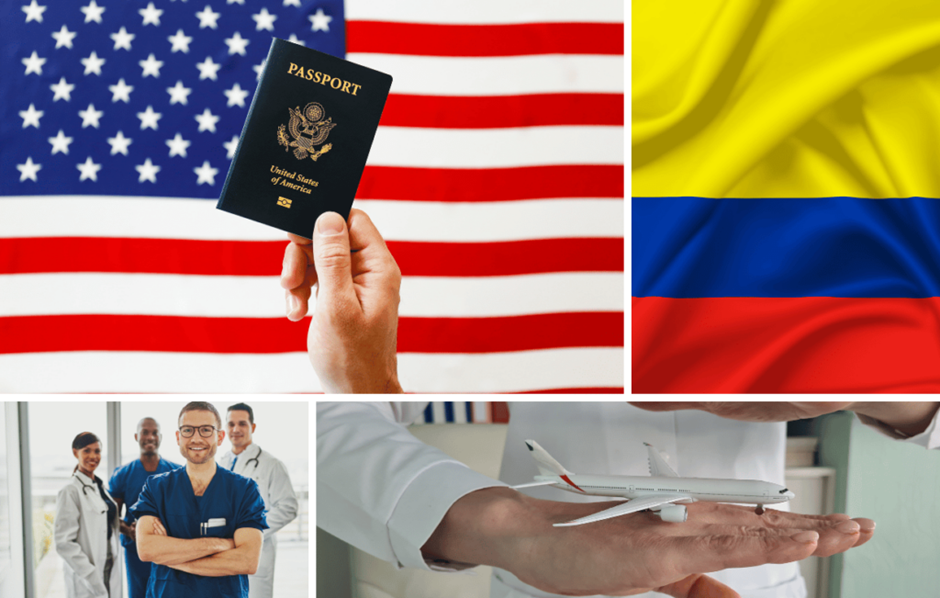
point(786, 176)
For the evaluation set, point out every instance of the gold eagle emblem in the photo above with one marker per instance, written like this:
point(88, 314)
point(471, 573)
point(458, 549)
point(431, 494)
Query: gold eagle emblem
point(308, 129)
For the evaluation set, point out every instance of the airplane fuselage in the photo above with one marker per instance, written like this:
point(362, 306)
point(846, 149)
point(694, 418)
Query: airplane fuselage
point(753, 492)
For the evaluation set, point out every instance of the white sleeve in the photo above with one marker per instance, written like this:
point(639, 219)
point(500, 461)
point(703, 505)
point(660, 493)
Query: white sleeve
point(929, 438)
point(378, 487)
point(283, 507)
point(65, 533)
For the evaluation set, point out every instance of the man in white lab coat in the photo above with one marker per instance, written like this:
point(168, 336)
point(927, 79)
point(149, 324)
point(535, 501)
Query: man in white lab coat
point(384, 492)
point(277, 492)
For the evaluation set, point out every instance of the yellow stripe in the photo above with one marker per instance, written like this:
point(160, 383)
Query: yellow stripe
point(787, 98)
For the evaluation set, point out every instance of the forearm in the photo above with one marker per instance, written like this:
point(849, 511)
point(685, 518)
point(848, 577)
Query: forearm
point(911, 418)
point(237, 561)
point(126, 529)
point(166, 550)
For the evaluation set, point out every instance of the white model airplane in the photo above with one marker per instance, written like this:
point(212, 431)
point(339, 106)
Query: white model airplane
point(664, 492)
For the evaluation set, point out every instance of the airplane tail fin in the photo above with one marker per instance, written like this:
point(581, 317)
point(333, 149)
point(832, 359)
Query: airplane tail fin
point(658, 465)
point(546, 464)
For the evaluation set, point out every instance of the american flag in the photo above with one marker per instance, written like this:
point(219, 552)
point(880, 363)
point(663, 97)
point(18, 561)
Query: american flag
point(496, 177)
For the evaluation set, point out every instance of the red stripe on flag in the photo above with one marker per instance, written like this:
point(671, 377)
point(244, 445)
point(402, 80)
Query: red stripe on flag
point(31, 334)
point(574, 391)
point(490, 112)
point(785, 345)
point(423, 39)
point(491, 184)
point(263, 258)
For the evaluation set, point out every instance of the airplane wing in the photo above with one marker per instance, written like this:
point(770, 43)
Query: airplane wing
point(658, 465)
point(637, 504)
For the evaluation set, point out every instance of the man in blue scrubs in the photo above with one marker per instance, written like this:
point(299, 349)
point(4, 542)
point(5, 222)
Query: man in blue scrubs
point(201, 525)
point(126, 484)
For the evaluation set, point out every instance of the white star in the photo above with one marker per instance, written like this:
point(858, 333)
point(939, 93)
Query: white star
point(208, 69)
point(205, 173)
point(64, 37)
point(62, 90)
point(60, 143)
point(151, 66)
point(121, 91)
point(178, 93)
point(178, 145)
point(148, 171)
point(92, 12)
point(236, 96)
point(33, 13)
point(122, 39)
point(236, 44)
point(258, 68)
point(119, 143)
point(320, 21)
point(149, 118)
point(89, 170)
point(33, 64)
point(90, 116)
point(93, 64)
point(180, 41)
point(151, 15)
point(31, 116)
point(295, 40)
point(292, 3)
point(231, 146)
point(207, 121)
point(29, 169)
point(264, 20)
point(207, 18)
point(235, 1)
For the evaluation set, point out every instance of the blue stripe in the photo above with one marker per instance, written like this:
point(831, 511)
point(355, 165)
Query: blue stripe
point(469, 407)
point(428, 414)
point(687, 247)
point(449, 412)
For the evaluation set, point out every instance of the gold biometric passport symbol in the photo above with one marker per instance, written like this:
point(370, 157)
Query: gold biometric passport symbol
point(283, 201)
point(308, 129)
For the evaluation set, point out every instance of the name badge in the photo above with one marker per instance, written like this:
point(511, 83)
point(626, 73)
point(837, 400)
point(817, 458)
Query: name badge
point(217, 522)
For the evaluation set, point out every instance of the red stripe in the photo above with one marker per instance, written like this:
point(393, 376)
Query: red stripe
point(263, 258)
point(490, 112)
point(420, 39)
point(575, 391)
point(491, 184)
point(789, 345)
point(30, 334)
point(567, 479)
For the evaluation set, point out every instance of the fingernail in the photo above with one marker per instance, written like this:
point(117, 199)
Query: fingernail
point(291, 304)
point(866, 524)
point(330, 223)
point(806, 537)
point(848, 527)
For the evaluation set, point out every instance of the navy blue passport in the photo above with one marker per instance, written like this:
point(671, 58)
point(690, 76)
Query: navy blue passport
point(306, 139)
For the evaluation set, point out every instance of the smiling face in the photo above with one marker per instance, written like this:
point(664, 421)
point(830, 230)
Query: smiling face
point(198, 449)
point(88, 458)
point(148, 436)
point(240, 430)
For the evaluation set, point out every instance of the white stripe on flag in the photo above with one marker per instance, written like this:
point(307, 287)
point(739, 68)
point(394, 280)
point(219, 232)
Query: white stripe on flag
point(485, 11)
point(437, 413)
point(107, 371)
point(460, 412)
point(498, 76)
point(481, 413)
point(262, 297)
point(496, 148)
point(169, 218)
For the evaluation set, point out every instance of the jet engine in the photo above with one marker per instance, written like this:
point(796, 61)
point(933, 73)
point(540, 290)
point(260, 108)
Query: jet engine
point(673, 513)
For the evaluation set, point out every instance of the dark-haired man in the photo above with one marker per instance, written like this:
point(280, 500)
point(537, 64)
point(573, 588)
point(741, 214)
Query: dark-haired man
point(247, 458)
point(125, 486)
point(201, 526)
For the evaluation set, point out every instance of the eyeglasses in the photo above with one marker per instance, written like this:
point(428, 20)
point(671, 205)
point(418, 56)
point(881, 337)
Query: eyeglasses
point(204, 431)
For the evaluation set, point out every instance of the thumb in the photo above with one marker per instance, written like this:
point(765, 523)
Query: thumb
point(331, 258)
point(698, 586)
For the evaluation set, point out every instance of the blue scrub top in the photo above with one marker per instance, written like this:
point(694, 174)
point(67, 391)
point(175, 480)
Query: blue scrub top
point(126, 483)
point(230, 502)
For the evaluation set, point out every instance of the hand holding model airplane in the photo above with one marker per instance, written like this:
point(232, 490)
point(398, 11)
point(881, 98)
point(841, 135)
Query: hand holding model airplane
point(664, 492)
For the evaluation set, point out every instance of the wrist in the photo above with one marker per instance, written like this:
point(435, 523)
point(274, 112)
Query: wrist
point(911, 418)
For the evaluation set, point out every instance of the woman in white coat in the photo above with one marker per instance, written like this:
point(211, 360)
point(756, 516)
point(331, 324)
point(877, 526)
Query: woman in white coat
point(86, 528)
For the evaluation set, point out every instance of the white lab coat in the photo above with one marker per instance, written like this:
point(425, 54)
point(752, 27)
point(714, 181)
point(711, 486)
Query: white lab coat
point(81, 540)
point(280, 505)
point(383, 491)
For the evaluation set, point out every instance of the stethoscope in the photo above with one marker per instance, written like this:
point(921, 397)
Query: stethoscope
point(94, 491)
point(255, 459)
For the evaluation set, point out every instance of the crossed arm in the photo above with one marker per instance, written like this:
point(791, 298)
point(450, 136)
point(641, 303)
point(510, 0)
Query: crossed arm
point(210, 557)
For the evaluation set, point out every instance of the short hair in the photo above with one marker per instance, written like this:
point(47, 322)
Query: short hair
point(243, 407)
point(201, 406)
point(143, 419)
point(83, 440)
